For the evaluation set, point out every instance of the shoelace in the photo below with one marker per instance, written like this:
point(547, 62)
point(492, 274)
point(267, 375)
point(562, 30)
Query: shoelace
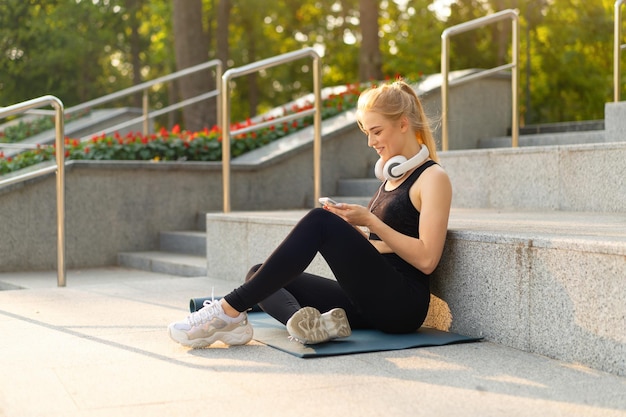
point(210, 308)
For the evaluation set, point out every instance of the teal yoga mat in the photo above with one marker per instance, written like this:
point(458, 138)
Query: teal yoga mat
point(269, 331)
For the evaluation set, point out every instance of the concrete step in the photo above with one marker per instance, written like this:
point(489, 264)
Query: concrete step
point(578, 177)
point(165, 262)
point(546, 139)
point(180, 253)
point(190, 242)
point(582, 178)
point(546, 282)
point(560, 127)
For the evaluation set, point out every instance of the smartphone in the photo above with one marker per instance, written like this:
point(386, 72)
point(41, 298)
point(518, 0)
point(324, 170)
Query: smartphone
point(326, 201)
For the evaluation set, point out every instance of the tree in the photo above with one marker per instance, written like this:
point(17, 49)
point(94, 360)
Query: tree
point(370, 65)
point(223, 22)
point(411, 39)
point(572, 71)
point(191, 48)
point(59, 48)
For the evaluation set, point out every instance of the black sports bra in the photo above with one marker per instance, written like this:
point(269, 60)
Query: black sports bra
point(395, 208)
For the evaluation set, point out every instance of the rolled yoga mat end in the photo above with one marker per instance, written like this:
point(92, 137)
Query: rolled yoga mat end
point(196, 304)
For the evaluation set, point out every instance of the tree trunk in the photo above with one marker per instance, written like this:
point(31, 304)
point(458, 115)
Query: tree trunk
point(370, 61)
point(223, 20)
point(133, 7)
point(190, 45)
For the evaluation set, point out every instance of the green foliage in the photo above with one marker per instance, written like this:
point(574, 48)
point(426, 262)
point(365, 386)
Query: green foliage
point(24, 129)
point(81, 49)
point(57, 48)
point(571, 61)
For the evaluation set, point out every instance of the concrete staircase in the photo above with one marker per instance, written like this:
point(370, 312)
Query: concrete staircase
point(536, 251)
point(181, 253)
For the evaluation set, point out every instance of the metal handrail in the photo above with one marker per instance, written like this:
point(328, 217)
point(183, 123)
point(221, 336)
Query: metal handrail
point(617, 49)
point(316, 111)
point(514, 66)
point(60, 169)
point(144, 87)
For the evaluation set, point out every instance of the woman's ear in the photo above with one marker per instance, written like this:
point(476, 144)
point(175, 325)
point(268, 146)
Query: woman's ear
point(404, 124)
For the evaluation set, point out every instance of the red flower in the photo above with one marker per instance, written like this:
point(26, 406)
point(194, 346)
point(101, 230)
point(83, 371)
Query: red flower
point(176, 129)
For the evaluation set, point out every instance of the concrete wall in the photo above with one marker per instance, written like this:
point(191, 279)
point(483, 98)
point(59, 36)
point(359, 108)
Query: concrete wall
point(122, 206)
point(561, 298)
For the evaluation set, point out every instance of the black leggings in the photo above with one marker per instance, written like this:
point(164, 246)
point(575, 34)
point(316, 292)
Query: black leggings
point(371, 291)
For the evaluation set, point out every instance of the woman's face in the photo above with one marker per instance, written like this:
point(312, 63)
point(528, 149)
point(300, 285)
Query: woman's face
point(384, 135)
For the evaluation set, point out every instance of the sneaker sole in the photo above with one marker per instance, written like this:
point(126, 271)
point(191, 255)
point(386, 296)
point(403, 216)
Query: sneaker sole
point(337, 320)
point(310, 327)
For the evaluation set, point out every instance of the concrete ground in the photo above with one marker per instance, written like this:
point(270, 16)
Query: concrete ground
point(99, 347)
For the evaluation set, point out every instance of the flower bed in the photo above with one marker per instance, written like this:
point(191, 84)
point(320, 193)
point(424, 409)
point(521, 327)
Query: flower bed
point(180, 145)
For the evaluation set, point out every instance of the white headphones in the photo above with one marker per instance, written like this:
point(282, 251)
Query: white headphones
point(398, 165)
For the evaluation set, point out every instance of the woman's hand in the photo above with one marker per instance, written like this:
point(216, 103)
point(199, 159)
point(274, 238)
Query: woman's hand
point(354, 214)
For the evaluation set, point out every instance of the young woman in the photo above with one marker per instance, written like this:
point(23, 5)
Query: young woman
point(382, 274)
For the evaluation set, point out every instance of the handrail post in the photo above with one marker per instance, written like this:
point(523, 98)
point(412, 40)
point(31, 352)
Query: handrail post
point(225, 115)
point(317, 123)
point(445, 69)
point(617, 49)
point(515, 80)
point(60, 180)
point(225, 132)
point(145, 108)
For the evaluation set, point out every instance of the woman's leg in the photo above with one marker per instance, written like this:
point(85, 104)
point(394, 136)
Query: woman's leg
point(318, 231)
point(309, 290)
point(377, 291)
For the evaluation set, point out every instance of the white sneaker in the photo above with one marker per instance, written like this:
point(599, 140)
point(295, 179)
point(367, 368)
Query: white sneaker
point(210, 324)
point(309, 327)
